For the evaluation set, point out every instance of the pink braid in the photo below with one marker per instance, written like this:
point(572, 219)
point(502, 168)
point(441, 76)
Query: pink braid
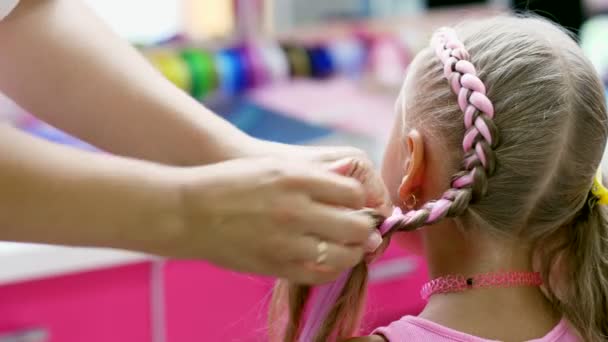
point(480, 137)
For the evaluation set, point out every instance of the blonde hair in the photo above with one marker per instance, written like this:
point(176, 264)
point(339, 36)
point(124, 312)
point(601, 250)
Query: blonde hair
point(552, 122)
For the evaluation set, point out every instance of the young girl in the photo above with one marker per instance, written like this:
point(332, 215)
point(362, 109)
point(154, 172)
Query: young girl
point(492, 160)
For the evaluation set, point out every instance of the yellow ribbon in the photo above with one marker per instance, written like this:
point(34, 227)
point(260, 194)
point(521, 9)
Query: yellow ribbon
point(598, 189)
point(173, 67)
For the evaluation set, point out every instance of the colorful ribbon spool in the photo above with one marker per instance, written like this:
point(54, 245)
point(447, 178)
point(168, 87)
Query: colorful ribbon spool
point(275, 61)
point(203, 72)
point(299, 62)
point(246, 70)
point(388, 60)
point(258, 74)
point(174, 68)
point(231, 71)
point(348, 56)
point(321, 63)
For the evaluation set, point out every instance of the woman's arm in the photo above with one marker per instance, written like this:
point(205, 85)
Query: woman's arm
point(64, 64)
point(56, 194)
point(261, 216)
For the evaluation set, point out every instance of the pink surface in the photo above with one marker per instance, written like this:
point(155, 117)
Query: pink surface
point(101, 306)
point(397, 295)
point(203, 303)
point(206, 303)
point(337, 103)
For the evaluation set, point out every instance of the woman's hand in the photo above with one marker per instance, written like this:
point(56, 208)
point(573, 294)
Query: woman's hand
point(268, 216)
point(347, 161)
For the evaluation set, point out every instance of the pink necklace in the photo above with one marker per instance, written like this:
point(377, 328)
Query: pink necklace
point(459, 283)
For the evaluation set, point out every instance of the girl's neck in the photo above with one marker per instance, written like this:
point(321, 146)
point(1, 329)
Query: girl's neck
point(506, 314)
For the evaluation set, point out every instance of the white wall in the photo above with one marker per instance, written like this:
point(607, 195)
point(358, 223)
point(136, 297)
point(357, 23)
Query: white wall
point(140, 20)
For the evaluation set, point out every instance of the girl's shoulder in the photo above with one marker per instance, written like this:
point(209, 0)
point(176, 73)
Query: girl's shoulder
point(410, 328)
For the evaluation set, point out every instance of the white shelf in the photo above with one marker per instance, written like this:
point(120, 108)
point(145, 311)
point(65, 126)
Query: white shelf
point(24, 261)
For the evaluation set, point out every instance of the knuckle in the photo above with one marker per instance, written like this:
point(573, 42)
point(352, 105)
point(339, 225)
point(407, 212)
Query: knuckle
point(360, 229)
point(285, 177)
point(355, 255)
point(287, 253)
point(356, 190)
point(352, 191)
point(286, 210)
point(276, 173)
point(283, 213)
point(353, 230)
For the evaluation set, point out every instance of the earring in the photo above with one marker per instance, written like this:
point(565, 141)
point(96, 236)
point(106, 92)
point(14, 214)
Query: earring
point(411, 202)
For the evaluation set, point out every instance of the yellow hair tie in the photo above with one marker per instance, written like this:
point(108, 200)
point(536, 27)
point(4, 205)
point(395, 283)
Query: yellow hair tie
point(598, 189)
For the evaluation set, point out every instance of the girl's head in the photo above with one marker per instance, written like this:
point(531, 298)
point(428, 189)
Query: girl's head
point(531, 190)
point(551, 123)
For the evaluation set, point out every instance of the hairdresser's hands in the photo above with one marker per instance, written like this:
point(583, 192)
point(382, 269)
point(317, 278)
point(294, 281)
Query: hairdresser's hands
point(348, 161)
point(268, 216)
point(359, 167)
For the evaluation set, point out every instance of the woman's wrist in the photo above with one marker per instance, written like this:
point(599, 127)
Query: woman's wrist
point(158, 215)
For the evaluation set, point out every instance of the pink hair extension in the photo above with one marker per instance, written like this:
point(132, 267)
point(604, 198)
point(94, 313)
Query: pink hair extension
point(327, 294)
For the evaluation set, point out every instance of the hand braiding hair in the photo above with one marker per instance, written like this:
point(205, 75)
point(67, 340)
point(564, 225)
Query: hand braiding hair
point(470, 184)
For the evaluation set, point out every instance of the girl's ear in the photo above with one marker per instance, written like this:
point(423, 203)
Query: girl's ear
point(414, 167)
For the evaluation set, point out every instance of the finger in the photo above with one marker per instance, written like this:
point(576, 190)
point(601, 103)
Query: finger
point(373, 242)
point(337, 259)
point(337, 225)
point(312, 250)
point(361, 169)
point(300, 273)
point(325, 154)
point(373, 256)
point(329, 188)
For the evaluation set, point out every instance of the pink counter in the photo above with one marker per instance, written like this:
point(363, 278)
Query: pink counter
point(201, 302)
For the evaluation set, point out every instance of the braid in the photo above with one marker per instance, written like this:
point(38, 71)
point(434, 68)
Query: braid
point(470, 184)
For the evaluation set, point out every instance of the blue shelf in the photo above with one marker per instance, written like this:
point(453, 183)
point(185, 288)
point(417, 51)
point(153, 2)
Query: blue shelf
point(251, 118)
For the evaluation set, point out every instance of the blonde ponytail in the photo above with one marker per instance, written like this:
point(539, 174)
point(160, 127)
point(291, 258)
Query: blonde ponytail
point(583, 259)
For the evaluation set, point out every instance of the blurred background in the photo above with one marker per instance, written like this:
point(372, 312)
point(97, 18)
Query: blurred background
point(294, 71)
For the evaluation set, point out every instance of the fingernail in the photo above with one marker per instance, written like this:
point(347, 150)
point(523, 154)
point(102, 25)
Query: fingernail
point(373, 242)
point(342, 167)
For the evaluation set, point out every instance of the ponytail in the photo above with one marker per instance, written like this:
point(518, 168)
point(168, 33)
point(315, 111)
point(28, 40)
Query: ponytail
point(287, 310)
point(342, 319)
point(577, 272)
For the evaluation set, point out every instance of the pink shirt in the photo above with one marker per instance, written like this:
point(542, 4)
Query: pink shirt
point(410, 328)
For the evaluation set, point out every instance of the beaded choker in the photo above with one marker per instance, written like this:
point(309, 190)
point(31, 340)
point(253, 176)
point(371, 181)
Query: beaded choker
point(460, 283)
